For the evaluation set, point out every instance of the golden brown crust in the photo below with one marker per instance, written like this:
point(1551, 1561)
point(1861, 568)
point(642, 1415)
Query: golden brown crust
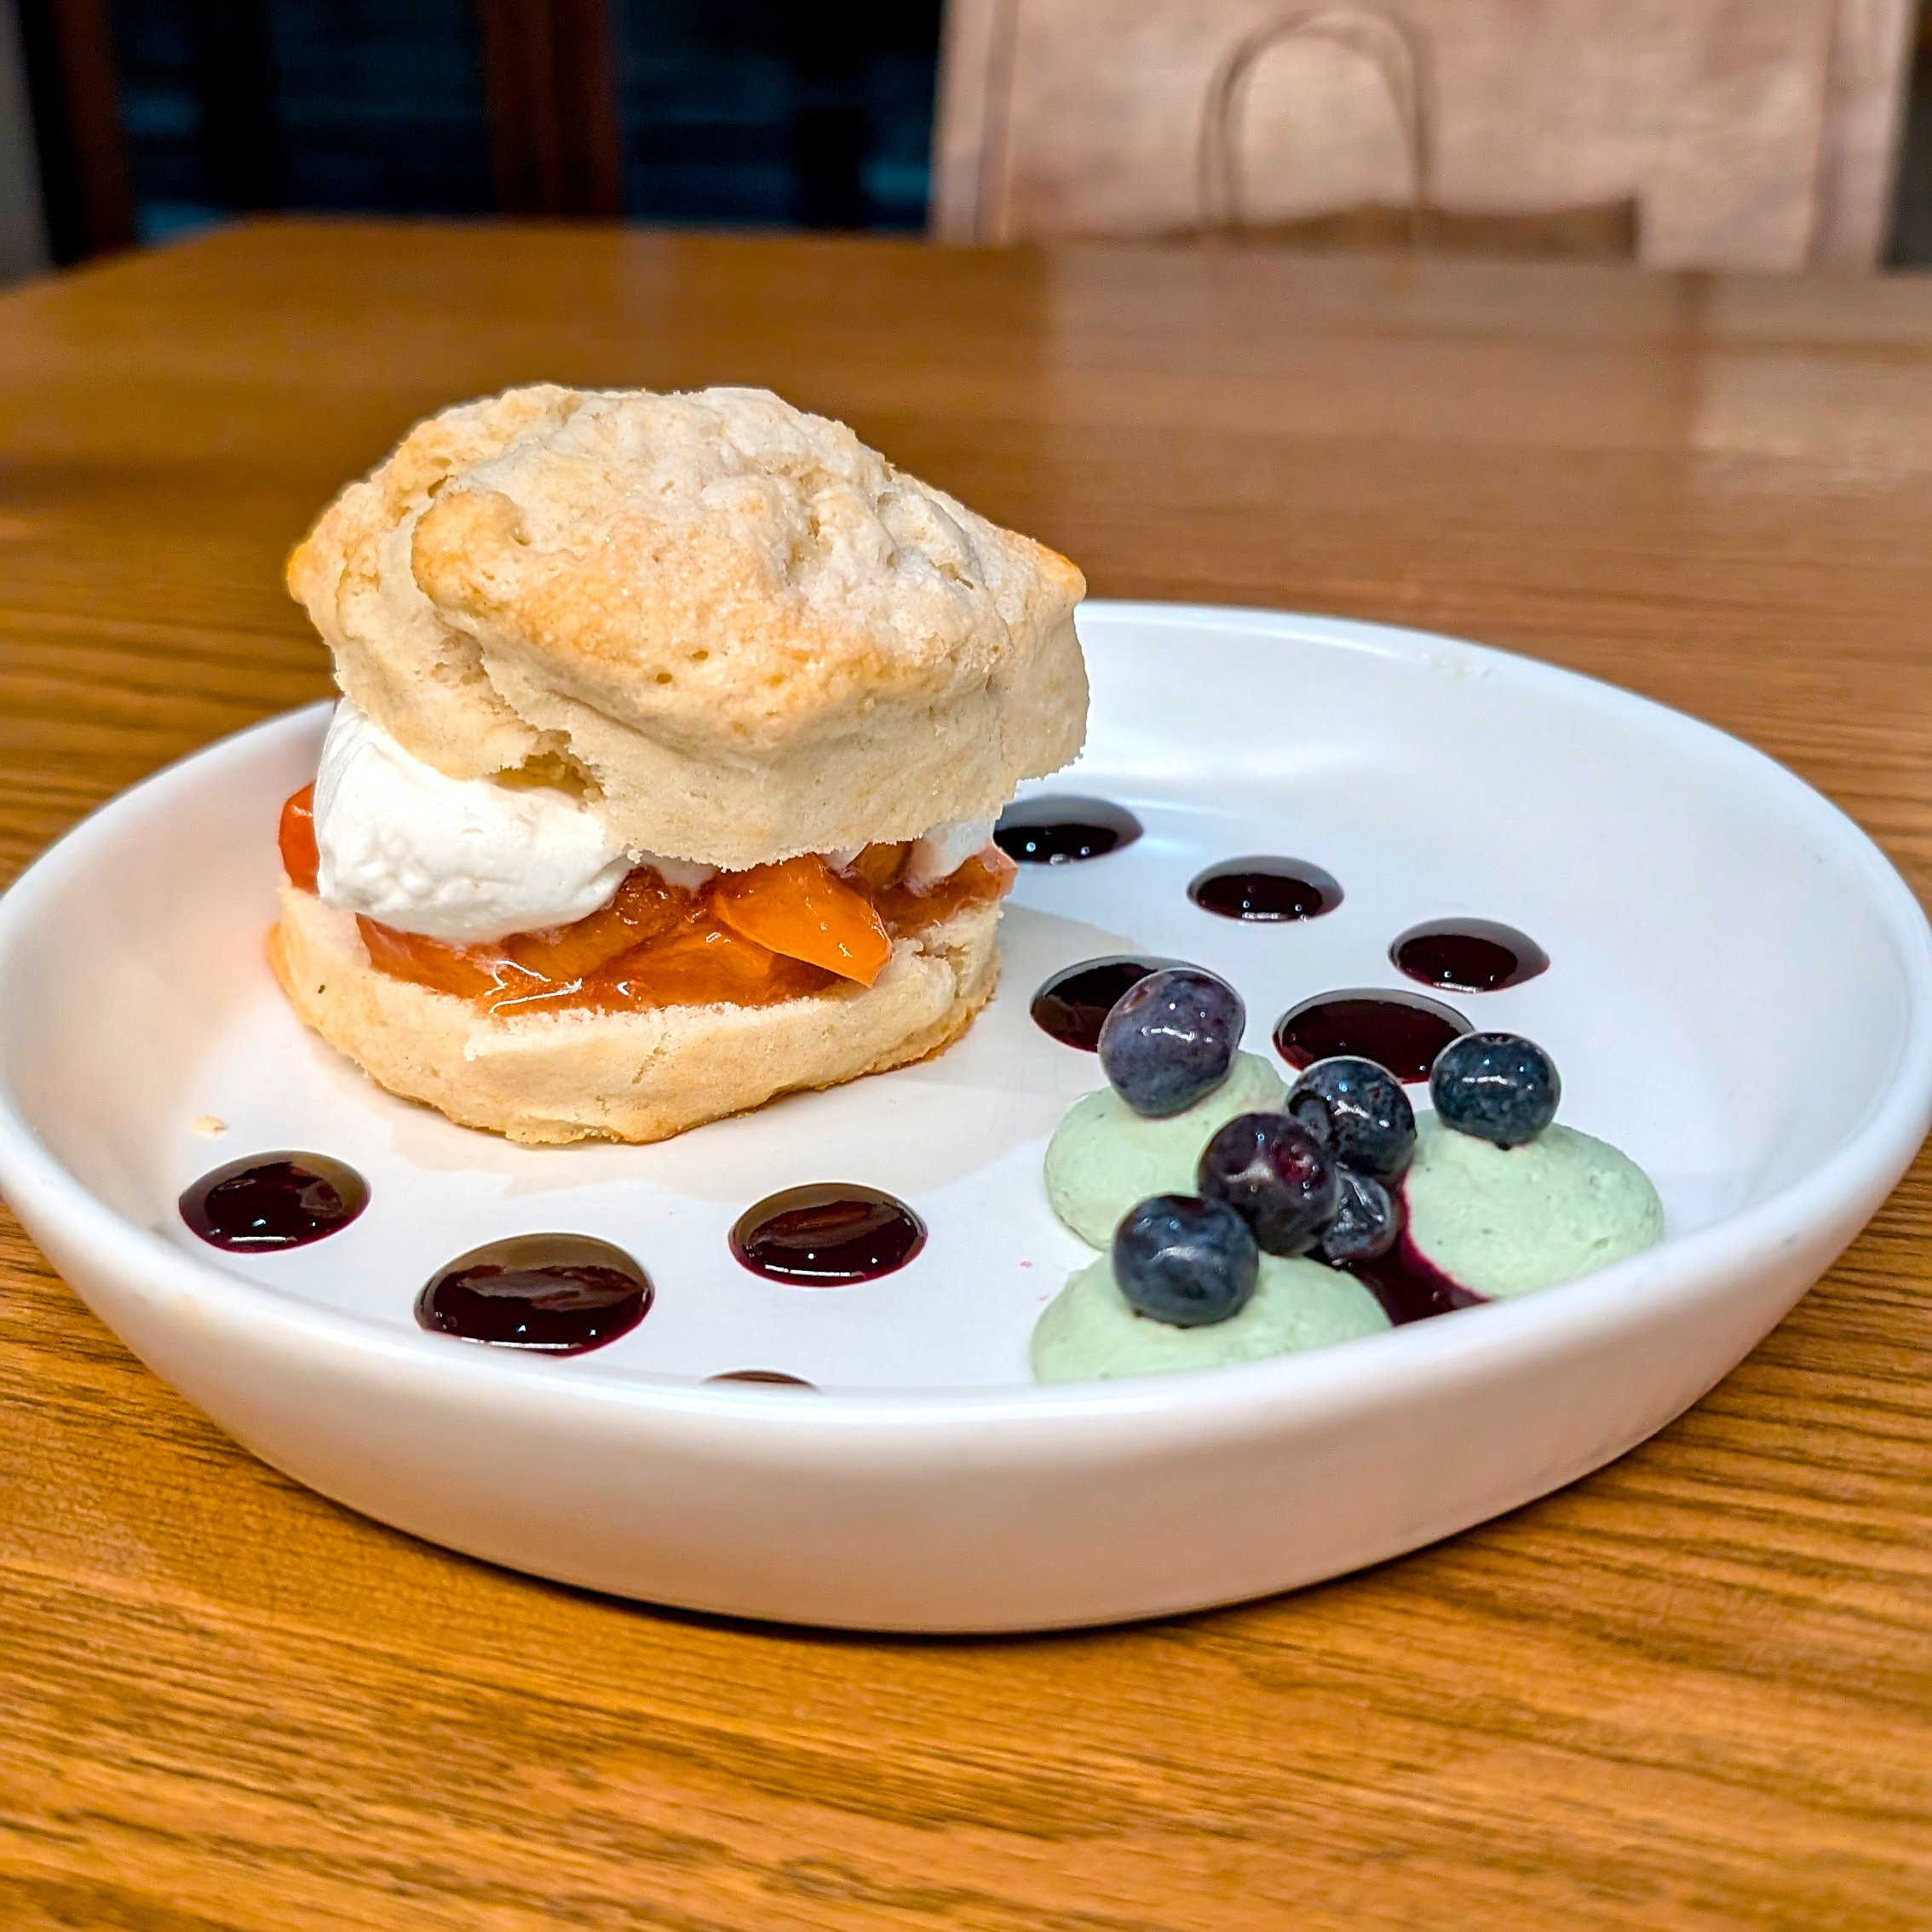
point(751, 634)
point(578, 1076)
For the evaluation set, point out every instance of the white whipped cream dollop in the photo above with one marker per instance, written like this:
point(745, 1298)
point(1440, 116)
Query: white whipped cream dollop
point(945, 849)
point(462, 859)
point(469, 861)
point(937, 856)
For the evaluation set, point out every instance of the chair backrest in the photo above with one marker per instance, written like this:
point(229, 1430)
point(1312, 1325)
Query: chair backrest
point(23, 235)
point(1744, 133)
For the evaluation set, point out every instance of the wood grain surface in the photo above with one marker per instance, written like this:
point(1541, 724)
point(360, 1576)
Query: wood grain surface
point(1689, 1695)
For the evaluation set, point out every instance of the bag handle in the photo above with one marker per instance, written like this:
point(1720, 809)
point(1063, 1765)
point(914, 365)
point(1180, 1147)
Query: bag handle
point(1390, 45)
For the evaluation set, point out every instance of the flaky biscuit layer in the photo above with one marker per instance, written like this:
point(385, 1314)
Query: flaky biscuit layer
point(552, 1078)
point(744, 632)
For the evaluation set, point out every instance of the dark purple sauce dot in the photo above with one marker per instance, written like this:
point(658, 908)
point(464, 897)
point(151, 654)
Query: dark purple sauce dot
point(1057, 831)
point(554, 1294)
point(826, 1234)
point(765, 1375)
point(1266, 890)
point(273, 1200)
point(1400, 1031)
point(1074, 1004)
point(1468, 955)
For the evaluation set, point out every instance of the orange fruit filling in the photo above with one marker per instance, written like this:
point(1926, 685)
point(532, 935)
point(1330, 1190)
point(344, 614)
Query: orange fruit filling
point(296, 835)
point(801, 908)
point(753, 938)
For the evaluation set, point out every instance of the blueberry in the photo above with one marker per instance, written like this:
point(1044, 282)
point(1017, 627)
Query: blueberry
point(1274, 1173)
point(1496, 1086)
point(1358, 1111)
point(1185, 1261)
point(1171, 1039)
point(1367, 1223)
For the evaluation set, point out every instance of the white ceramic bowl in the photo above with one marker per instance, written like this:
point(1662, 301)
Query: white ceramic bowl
point(1739, 996)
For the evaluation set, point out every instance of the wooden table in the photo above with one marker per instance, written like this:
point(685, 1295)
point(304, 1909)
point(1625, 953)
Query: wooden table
point(1691, 1692)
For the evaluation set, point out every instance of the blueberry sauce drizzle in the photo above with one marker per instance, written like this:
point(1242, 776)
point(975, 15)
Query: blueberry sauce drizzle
point(1400, 1031)
point(1468, 955)
point(827, 1234)
point(1073, 1004)
point(272, 1201)
point(1265, 890)
point(1060, 829)
point(1409, 1287)
point(551, 1294)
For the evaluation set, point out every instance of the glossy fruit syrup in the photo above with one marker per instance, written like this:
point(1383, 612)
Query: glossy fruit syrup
point(1400, 1031)
point(1072, 1005)
point(1468, 955)
point(1266, 890)
point(1061, 830)
point(753, 938)
point(1410, 1288)
point(296, 836)
point(273, 1200)
point(552, 1294)
point(828, 1235)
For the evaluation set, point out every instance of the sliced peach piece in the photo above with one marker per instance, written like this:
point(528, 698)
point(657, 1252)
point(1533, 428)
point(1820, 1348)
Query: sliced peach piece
point(878, 866)
point(800, 907)
point(987, 876)
point(644, 908)
point(470, 972)
point(296, 835)
point(703, 963)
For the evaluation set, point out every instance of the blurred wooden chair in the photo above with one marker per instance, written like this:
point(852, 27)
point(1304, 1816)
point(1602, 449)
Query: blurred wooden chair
point(81, 153)
point(549, 84)
point(1703, 134)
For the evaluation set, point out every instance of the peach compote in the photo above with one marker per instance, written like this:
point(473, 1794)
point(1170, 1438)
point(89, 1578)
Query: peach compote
point(753, 938)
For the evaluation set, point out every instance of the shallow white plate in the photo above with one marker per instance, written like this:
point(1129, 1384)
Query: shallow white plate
point(1739, 996)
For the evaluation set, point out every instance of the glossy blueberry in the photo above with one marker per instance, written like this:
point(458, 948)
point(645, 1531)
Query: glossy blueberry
point(1357, 1111)
point(1171, 1038)
point(1495, 1086)
point(1185, 1261)
point(1275, 1174)
point(1367, 1223)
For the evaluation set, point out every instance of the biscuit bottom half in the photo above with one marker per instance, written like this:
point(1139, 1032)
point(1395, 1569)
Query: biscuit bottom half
point(545, 1078)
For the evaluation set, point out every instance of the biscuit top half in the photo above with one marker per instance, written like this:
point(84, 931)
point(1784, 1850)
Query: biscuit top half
point(736, 628)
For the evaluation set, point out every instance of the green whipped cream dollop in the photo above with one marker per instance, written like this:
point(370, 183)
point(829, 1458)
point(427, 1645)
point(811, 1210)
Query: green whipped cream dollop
point(1104, 1156)
point(1508, 1221)
point(1089, 1332)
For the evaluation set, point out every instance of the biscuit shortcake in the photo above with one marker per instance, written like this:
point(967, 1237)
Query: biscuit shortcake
point(673, 733)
